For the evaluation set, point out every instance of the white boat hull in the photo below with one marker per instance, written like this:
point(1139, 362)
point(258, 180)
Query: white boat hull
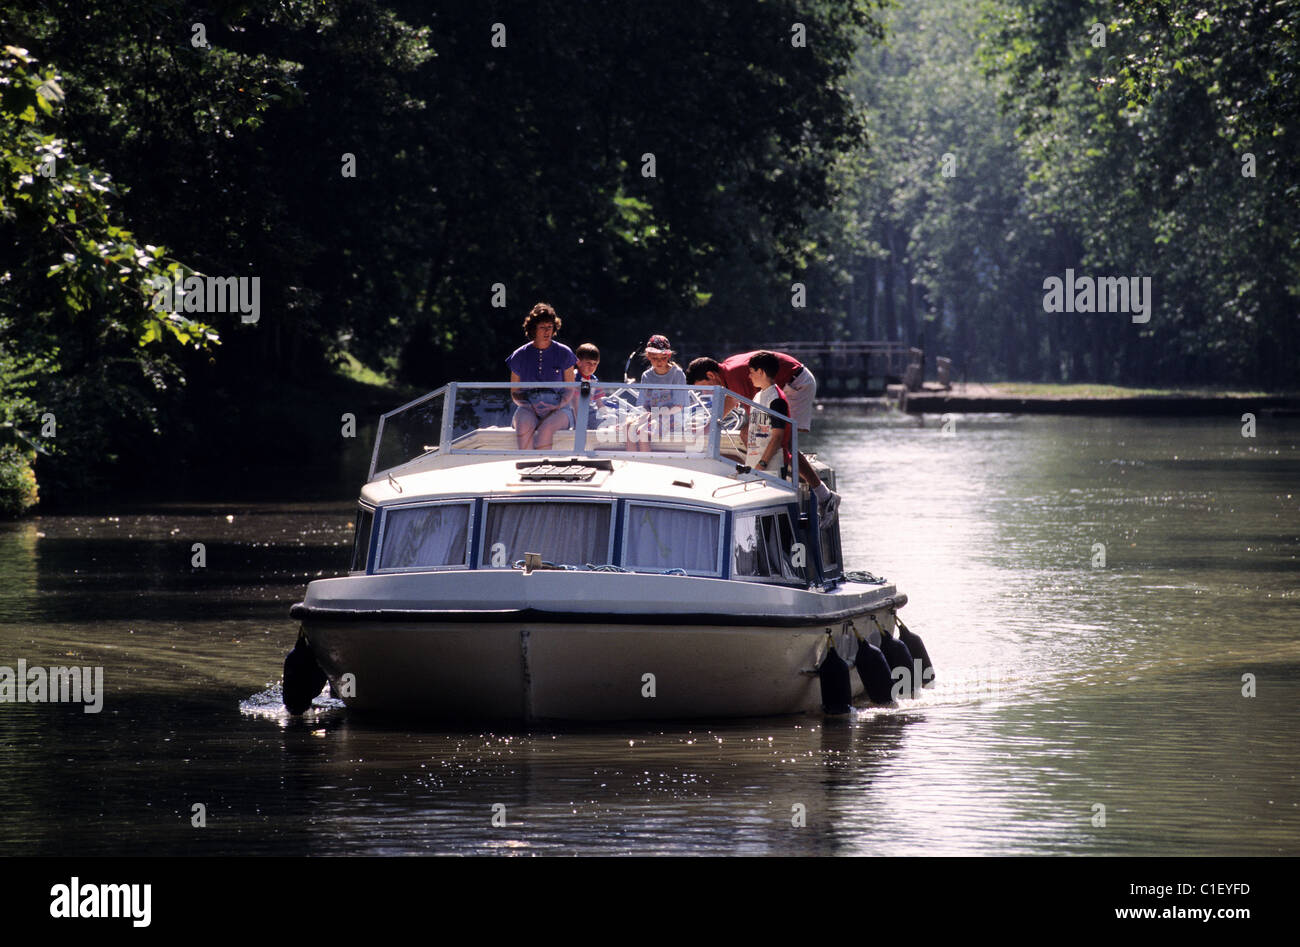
point(526, 661)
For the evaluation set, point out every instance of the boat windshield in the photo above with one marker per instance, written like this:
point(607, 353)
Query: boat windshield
point(599, 419)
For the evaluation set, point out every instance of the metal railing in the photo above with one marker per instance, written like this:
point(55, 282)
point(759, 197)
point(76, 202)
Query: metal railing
point(604, 419)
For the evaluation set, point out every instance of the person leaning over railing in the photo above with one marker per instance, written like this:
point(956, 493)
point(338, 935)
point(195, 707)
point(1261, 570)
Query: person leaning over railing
point(541, 411)
point(800, 389)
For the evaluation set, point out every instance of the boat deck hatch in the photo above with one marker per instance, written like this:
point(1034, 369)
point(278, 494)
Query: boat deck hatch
point(560, 473)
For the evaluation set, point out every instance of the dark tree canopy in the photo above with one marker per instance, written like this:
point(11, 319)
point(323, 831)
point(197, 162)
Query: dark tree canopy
point(389, 170)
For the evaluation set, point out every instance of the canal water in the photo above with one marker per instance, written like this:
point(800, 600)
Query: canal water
point(1113, 607)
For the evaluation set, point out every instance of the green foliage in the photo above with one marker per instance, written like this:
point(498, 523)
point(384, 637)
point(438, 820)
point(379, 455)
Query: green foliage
point(942, 254)
point(61, 206)
point(521, 165)
point(1119, 159)
point(18, 377)
point(77, 334)
point(18, 439)
point(351, 368)
point(1136, 153)
point(18, 491)
point(19, 415)
point(474, 165)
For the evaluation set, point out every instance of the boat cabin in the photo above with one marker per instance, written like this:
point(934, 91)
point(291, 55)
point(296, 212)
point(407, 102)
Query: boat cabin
point(621, 491)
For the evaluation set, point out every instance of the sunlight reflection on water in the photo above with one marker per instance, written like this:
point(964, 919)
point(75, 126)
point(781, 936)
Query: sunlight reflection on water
point(1061, 685)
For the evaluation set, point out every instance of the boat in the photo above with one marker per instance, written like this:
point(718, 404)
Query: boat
point(604, 578)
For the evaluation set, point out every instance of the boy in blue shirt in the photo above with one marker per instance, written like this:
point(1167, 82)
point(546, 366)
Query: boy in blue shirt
point(588, 361)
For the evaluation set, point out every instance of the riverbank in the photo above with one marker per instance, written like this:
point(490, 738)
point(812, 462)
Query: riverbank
point(308, 440)
point(1094, 400)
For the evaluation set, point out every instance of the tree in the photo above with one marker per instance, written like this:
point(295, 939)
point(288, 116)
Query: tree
point(74, 313)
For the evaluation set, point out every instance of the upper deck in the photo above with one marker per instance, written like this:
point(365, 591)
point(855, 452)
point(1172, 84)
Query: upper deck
point(473, 423)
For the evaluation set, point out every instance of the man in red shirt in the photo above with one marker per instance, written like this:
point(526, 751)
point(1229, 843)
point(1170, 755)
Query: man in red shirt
point(799, 388)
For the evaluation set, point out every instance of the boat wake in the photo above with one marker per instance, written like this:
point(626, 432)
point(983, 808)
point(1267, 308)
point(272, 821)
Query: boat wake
point(269, 705)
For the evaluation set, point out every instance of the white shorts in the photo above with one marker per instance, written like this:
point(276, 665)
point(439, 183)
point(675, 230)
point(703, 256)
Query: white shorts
point(801, 395)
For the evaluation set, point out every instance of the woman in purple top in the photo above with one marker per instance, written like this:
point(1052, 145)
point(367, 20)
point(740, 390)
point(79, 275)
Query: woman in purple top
point(541, 411)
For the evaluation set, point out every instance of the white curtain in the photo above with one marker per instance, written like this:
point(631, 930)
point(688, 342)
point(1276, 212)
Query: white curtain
point(425, 536)
point(662, 538)
point(779, 546)
point(762, 547)
point(750, 554)
point(568, 534)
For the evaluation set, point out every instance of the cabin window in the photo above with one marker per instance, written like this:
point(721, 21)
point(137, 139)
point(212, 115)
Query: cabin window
point(660, 538)
point(361, 539)
point(425, 537)
point(564, 533)
point(830, 538)
point(765, 548)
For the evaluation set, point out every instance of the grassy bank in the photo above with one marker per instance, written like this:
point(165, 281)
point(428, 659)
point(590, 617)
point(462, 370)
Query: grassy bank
point(1036, 398)
point(1021, 389)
